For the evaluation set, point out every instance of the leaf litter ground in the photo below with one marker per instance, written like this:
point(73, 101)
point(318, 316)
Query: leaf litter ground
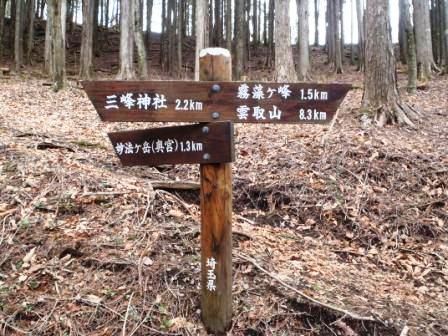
point(352, 216)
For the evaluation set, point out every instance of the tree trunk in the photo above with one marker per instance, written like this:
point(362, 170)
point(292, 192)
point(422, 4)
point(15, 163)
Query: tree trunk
point(380, 83)
point(271, 48)
point(149, 7)
point(338, 37)
point(410, 45)
point(239, 39)
point(284, 61)
point(445, 10)
point(361, 34)
point(86, 58)
point(229, 25)
point(423, 41)
point(402, 36)
point(201, 31)
point(59, 11)
point(18, 36)
point(316, 23)
point(265, 24)
point(139, 40)
point(255, 23)
point(162, 43)
point(126, 41)
point(303, 69)
point(179, 39)
point(30, 37)
point(2, 25)
point(47, 51)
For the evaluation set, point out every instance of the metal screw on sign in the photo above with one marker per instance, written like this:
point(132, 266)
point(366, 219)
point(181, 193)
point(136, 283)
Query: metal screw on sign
point(207, 156)
point(216, 115)
point(205, 129)
point(216, 88)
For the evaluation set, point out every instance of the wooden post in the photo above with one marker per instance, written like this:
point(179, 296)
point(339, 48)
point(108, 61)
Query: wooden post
point(216, 216)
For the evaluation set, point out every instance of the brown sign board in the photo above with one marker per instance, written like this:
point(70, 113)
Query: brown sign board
point(200, 143)
point(240, 102)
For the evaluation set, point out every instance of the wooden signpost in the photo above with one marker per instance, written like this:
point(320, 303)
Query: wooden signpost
point(215, 103)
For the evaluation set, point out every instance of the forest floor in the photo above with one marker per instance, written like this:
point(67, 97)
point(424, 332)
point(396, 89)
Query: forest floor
point(353, 216)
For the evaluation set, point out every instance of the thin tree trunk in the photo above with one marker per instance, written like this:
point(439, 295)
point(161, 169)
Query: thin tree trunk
point(59, 11)
point(139, 40)
point(284, 61)
point(149, 7)
point(86, 58)
point(162, 43)
point(338, 37)
point(179, 39)
point(18, 35)
point(316, 23)
point(271, 48)
point(47, 52)
point(303, 69)
point(410, 45)
point(445, 10)
point(30, 37)
point(402, 36)
point(126, 41)
point(361, 34)
point(265, 23)
point(239, 39)
point(229, 25)
point(201, 29)
point(255, 22)
point(2, 24)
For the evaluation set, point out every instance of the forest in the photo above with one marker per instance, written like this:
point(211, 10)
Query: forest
point(336, 224)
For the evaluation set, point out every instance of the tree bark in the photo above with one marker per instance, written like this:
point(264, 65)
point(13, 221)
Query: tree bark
point(255, 22)
point(201, 29)
point(239, 39)
point(410, 46)
point(271, 48)
point(18, 36)
point(149, 8)
point(316, 23)
point(284, 61)
point(30, 36)
point(2, 24)
point(361, 34)
point(303, 69)
point(445, 10)
point(380, 83)
point(59, 11)
point(423, 40)
point(338, 37)
point(126, 41)
point(179, 39)
point(139, 40)
point(402, 37)
point(229, 25)
point(86, 58)
point(47, 51)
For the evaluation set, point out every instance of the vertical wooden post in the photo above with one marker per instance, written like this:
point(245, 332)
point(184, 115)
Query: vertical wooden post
point(216, 215)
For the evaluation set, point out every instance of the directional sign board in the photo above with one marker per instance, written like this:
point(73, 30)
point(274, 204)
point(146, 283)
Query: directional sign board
point(205, 143)
point(176, 101)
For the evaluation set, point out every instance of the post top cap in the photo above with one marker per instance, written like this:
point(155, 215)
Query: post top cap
point(214, 52)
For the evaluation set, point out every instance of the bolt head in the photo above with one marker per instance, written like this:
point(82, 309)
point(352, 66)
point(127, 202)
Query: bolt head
point(206, 156)
point(205, 129)
point(216, 115)
point(216, 88)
